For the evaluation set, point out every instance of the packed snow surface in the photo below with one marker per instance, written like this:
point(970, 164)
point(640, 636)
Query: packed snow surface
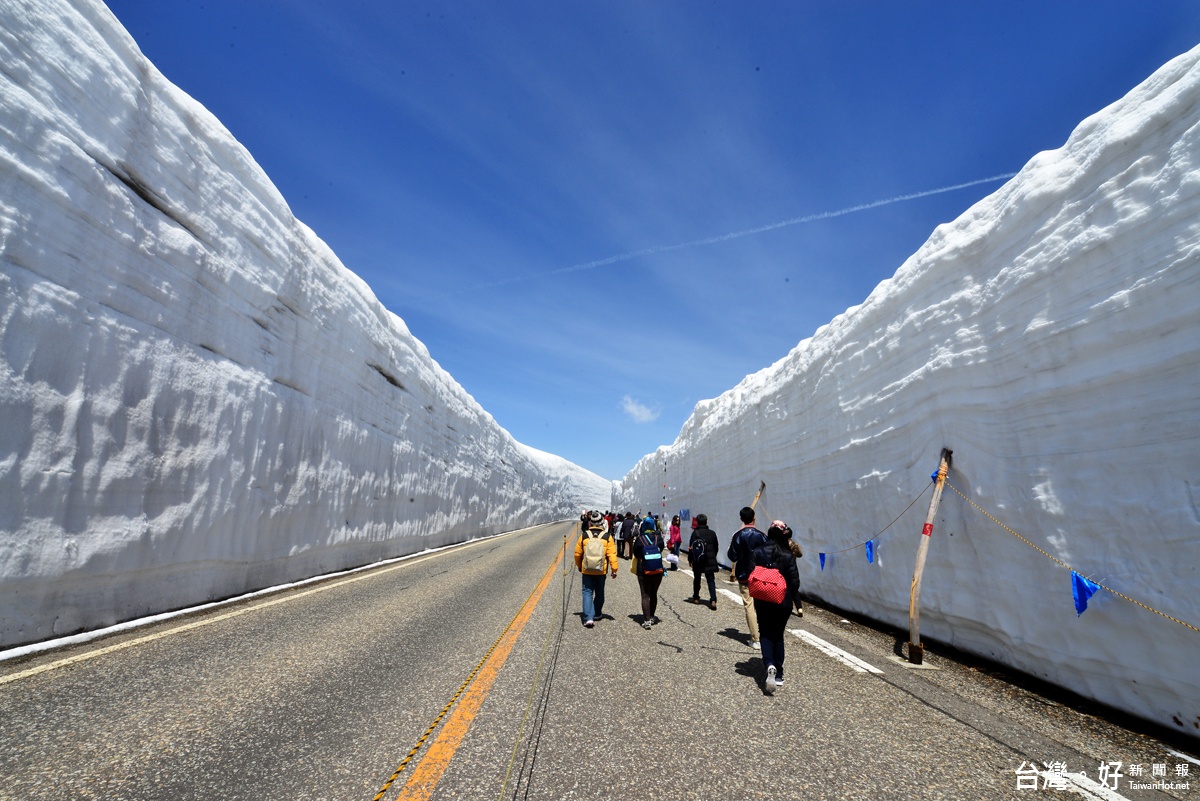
point(1049, 337)
point(198, 399)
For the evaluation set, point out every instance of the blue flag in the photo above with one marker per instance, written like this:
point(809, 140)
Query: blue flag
point(871, 551)
point(1083, 589)
point(822, 560)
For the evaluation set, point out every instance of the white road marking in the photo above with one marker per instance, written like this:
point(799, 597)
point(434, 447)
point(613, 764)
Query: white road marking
point(730, 594)
point(837, 653)
point(827, 648)
point(1080, 784)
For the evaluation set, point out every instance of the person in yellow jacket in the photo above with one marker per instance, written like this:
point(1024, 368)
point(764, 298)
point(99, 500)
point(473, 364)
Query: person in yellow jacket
point(595, 557)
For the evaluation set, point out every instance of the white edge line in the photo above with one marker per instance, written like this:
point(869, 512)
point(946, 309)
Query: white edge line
point(88, 636)
point(731, 594)
point(837, 653)
point(1087, 788)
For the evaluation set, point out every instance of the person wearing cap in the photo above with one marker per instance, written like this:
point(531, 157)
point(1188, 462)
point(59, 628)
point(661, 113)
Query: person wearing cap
point(772, 617)
point(741, 552)
point(702, 554)
point(591, 579)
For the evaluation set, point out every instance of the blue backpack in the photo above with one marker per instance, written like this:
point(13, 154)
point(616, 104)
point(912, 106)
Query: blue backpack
point(652, 563)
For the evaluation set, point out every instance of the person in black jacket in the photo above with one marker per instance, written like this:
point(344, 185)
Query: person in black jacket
point(702, 555)
point(626, 536)
point(772, 617)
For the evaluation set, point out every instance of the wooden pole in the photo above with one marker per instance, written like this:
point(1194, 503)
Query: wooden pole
point(916, 651)
point(762, 485)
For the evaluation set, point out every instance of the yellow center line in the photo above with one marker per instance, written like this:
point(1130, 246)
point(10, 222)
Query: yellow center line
point(73, 660)
point(429, 770)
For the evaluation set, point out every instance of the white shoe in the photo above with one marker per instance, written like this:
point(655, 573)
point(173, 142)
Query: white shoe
point(756, 646)
point(770, 685)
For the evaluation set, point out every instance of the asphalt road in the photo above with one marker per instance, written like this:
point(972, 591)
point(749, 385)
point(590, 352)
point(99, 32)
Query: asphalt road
point(322, 692)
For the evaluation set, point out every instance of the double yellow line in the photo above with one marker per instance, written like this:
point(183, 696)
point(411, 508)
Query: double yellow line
point(473, 692)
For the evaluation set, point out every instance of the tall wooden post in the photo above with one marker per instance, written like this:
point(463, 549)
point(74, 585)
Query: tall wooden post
point(916, 651)
point(762, 485)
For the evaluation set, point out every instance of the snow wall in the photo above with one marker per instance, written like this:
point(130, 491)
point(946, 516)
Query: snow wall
point(198, 399)
point(1050, 337)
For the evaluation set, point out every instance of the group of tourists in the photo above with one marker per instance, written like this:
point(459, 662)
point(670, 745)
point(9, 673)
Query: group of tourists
point(605, 539)
point(763, 564)
point(626, 528)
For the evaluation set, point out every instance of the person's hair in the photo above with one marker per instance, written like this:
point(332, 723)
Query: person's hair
point(701, 520)
point(675, 520)
point(780, 531)
point(747, 515)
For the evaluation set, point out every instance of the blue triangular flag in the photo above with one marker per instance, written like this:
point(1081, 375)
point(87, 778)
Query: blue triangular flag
point(822, 560)
point(1082, 588)
point(871, 551)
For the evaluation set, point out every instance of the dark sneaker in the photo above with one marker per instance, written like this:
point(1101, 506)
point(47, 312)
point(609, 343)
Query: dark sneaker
point(712, 605)
point(589, 623)
point(695, 599)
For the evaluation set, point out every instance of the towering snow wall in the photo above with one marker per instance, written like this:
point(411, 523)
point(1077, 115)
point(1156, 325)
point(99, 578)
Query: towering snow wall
point(197, 398)
point(1051, 338)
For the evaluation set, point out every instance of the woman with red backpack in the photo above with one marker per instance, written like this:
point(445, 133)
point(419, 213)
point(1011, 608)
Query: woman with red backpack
point(774, 584)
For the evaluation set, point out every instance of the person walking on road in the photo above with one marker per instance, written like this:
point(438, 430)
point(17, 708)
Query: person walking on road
point(628, 532)
point(595, 556)
point(773, 617)
point(674, 542)
point(648, 553)
point(741, 553)
point(794, 547)
point(702, 554)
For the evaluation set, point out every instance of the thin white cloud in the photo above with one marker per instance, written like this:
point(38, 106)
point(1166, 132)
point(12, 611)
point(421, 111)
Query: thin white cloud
point(712, 240)
point(638, 412)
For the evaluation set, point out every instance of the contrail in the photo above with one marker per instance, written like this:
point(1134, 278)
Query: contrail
point(712, 240)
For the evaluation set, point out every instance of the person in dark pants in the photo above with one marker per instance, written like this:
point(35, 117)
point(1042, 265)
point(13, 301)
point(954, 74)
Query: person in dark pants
point(794, 547)
point(702, 554)
point(647, 551)
point(773, 617)
point(625, 538)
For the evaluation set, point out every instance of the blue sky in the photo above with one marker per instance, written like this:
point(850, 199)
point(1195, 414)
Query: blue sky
point(545, 191)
